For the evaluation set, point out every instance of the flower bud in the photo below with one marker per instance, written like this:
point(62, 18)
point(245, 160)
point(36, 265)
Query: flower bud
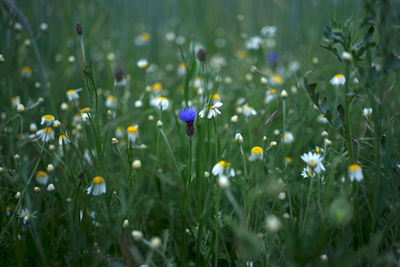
point(20, 108)
point(137, 235)
point(78, 28)
point(125, 224)
point(155, 243)
point(136, 164)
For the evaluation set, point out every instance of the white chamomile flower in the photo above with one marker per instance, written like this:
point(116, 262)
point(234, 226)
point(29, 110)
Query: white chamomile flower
point(212, 110)
point(16, 100)
point(215, 98)
point(223, 168)
point(72, 94)
point(249, 111)
point(338, 79)
point(270, 95)
point(142, 63)
point(321, 118)
point(367, 112)
point(288, 138)
point(97, 187)
point(314, 161)
point(161, 103)
point(47, 119)
point(63, 140)
point(111, 101)
point(256, 153)
point(42, 177)
point(181, 69)
point(85, 113)
point(133, 133)
point(45, 134)
point(307, 172)
point(355, 173)
point(26, 215)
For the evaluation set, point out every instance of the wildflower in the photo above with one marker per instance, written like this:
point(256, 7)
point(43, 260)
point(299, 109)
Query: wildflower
point(45, 134)
point(256, 153)
point(155, 243)
point(138, 104)
point(314, 161)
point(142, 63)
point(215, 98)
point(238, 138)
point(355, 173)
point(367, 112)
point(77, 118)
point(268, 31)
point(85, 113)
point(36, 189)
point(20, 108)
point(47, 119)
point(142, 39)
point(159, 124)
point(240, 54)
point(270, 95)
point(78, 28)
point(137, 235)
point(223, 181)
point(288, 138)
point(64, 106)
point(254, 43)
point(8, 210)
point(338, 79)
point(26, 72)
point(51, 188)
point(273, 144)
point(249, 111)
point(42, 177)
point(111, 101)
point(136, 164)
point(197, 83)
point(16, 100)
point(284, 94)
point(321, 118)
point(97, 187)
point(72, 94)
point(234, 119)
point(33, 127)
point(212, 110)
point(273, 57)
point(276, 79)
point(50, 167)
point(118, 132)
point(156, 87)
point(114, 141)
point(273, 224)
point(26, 215)
point(125, 224)
point(223, 167)
point(161, 103)
point(347, 56)
point(17, 195)
point(119, 77)
point(132, 133)
point(181, 69)
point(188, 115)
point(170, 36)
point(288, 160)
point(201, 55)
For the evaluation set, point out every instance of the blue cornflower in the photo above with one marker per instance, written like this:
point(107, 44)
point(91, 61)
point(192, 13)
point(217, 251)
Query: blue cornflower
point(273, 57)
point(188, 115)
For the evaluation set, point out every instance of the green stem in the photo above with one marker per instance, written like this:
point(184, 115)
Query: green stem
point(347, 115)
point(308, 203)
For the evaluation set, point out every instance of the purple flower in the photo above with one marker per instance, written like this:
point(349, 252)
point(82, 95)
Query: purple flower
point(187, 115)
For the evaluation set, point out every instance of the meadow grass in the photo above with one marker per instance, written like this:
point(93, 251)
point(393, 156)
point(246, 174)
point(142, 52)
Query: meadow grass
point(200, 133)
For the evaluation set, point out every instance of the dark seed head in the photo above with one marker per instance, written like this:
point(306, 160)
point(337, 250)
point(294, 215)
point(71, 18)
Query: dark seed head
point(78, 28)
point(190, 129)
point(119, 73)
point(202, 54)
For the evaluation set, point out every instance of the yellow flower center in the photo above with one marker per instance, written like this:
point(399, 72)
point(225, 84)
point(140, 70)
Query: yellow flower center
point(182, 66)
point(15, 99)
point(119, 129)
point(41, 174)
point(312, 164)
point(85, 110)
point(240, 54)
point(132, 129)
point(62, 137)
point(47, 130)
point(256, 150)
point(162, 98)
point(71, 91)
point(157, 86)
point(215, 96)
point(26, 69)
point(277, 79)
point(288, 159)
point(25, 215)
point(145, 36)
point(286, 137)
point(224, 164)
point(272, 91)
point(249, 108)
point(354, 167)
point(317, 150)
point(111, 98)
point(309, 173)
point(48, 117)
point(98, 180)
point(339, 76)
point(78, 117)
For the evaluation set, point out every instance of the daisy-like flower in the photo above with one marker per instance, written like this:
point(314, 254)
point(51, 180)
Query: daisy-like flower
point(142, 63)
point(16, 100)
point(338, 79)
point(26, 72)
point(197, 83)
point(77, 118)
point(46, 134)
point(321, 118)
point(72, 94)
point(276, 79)
point(85, 113)
point(223, 168)
point(188, 115)
point(119, 77)
point(367, 112)
point(142, 39)
point(8, 210)
point(288, 138)
point(212, 110)
point(355, 173)
point(161, 103)
point(287, 160)
point(118, 132)
point(254, 43)
point(270, 95)
point(256, 153)
point(42, 177)
point(181, 69)
point(268, 31)
point(314, 161)
point(111, 101)
point(26, 215)
point(63, 140)
point(97, 187)
point(156, 87)
point(249, 111)
point(307, 172)
point(133, 132)
point(47, 119)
